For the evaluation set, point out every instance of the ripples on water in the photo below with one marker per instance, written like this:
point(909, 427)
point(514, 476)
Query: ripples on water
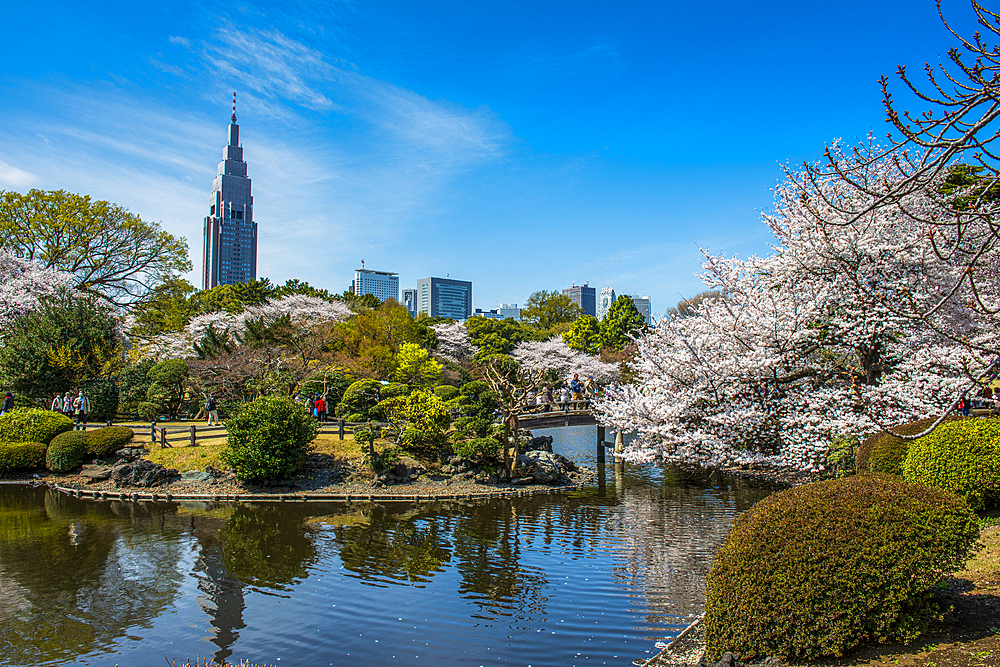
point(591, 577)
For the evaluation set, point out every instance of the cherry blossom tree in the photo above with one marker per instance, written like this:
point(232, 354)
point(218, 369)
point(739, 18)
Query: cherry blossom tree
point(453, 342)
point(23, 284)
point(855, 323)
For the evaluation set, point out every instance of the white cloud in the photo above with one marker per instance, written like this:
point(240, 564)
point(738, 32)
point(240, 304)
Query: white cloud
point(12, 177)
point(180, 41)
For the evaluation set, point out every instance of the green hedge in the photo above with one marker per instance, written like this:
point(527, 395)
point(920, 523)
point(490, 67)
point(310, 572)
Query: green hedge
point(883, 452)
point(819, 569)
point(446, 392)
point(33, 425)
point(106, 441)
point(21, 455)
point(477, 448)
point(268, 439)
point(66, 451)
point(961, 456)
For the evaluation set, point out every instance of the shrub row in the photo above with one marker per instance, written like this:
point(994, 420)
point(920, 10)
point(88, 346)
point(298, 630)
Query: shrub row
point(21, 456)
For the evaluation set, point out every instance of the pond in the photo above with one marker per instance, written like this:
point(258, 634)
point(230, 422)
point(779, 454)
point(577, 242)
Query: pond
point(591, 577)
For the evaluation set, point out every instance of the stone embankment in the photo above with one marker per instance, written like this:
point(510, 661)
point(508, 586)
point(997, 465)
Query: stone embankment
point(324, 478)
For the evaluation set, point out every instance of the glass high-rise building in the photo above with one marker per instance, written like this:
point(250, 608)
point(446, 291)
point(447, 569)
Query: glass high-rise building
point(410, 300)
point(444, 297)
point(607, 298)
point(230, 251)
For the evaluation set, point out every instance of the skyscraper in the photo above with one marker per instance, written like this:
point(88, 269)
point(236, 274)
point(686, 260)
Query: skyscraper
point(383, 284)
point(583, 296)
point(607, 298)
point(410, 300)
point(444, 297)
point(230, 255)
point(643, 306)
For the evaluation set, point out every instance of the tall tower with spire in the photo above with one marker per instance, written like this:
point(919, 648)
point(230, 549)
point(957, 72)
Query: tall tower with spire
point(230, 232)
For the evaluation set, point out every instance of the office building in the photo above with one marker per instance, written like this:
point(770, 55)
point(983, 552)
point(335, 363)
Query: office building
point(230, 242)
point(410, 300)
point(383, 284)
point(642, 305)
point(503, 312)
point(583, 296)
point(607, 298)
point(444, 297)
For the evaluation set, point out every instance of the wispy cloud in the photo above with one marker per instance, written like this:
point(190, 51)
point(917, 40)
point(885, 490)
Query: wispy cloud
point(12, 177)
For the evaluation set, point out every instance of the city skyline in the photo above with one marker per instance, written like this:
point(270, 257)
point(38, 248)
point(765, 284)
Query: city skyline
point(517, 145)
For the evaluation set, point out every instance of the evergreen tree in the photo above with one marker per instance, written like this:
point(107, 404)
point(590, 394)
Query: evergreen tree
point(585, 335)
point(621, 321)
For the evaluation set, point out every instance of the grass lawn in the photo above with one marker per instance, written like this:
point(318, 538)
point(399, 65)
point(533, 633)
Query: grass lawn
point(183, 457)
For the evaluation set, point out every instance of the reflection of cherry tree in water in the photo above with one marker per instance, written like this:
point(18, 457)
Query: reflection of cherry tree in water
point(403, 547)
point(73, 580)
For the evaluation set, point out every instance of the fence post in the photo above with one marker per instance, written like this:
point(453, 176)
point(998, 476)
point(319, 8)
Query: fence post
point(152, 432)
point(341, 428)
point(110, 424)
point(163, 437)
point(194, 440)
point(600, 444)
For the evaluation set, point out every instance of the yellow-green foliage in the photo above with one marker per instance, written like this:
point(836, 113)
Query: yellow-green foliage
point(268, 439)
point(33, 425)
point(21, 455)
point(883, 452)
point(961, 456)
point(818, 569)
point(107, 441)
point(66, 451)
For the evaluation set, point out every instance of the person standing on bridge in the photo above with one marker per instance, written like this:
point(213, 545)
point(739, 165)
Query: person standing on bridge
point(565, 396)
point(547, 397)
point(576, 387)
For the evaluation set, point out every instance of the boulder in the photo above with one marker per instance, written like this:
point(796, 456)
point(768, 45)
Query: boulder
point(96, 473)
point(196, 476)
point(542, 443)
point(408, 467)
point(142, 473)
point(543, 467)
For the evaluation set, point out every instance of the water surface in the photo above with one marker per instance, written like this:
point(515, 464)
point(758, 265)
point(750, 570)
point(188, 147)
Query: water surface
point(590, 577)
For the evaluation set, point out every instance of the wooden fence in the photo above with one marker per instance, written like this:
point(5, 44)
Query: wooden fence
point(166, 437)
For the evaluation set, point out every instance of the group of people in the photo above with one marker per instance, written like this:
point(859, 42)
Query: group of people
point(316, 405)
point(564, 393)
point(67, 404)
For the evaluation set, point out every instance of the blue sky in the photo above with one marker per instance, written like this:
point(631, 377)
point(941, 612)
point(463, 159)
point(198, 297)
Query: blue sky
point(520, 145)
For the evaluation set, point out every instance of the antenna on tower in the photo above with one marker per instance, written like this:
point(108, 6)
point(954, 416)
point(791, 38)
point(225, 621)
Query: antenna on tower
point(362, 265)
point(234, 106)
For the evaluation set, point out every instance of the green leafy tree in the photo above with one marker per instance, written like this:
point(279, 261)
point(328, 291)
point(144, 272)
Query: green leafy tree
point(360, 302)
point(584, 335)
point(113, 253)
point(414, 366)
point(494, 336)
point(169, 385)
point(420, 418)
point(621, 321)
point(232, 298)
point(544, 310)
point(69, 340)
point(361, 398)
point(133, 384)
point(167, 308)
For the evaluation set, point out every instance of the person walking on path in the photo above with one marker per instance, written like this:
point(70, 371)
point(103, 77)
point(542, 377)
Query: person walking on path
point(57, 403)
point(82, 407)
point(212, 410)
point(67, 408)
point(8, 404)
point(547, 397)
point(320, 405)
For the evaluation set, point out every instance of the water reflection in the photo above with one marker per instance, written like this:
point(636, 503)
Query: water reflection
point(597, 573)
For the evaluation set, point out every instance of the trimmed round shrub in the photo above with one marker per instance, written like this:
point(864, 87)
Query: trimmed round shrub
point(21, 455)
point(106, 441)
point(394, 389)
point(819, 569)
point(354, 417)
point(33, 425)
point(361, 398)
point(66, 451)
point(477, 448)
point(961, 456)
point(885, 453)
point(268, 439)
point(446, 392)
